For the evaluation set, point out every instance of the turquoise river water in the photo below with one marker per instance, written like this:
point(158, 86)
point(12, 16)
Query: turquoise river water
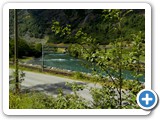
point(64, 61)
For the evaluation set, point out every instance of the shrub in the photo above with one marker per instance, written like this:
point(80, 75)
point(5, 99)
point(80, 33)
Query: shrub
point(34, 100)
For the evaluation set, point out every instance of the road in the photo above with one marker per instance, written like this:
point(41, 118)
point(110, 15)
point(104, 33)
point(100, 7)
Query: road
point(50, 84)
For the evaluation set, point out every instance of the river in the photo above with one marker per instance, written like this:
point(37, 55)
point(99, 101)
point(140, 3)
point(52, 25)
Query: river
point(64, 61)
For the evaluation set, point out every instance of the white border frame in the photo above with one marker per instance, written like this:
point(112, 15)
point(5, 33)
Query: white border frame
point(8, 6)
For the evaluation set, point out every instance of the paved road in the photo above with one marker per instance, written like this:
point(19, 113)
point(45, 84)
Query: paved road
point(49, 84)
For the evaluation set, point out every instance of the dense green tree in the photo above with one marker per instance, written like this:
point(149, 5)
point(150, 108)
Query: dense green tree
point(38, 47)
point(112, 61)
point(25, 49)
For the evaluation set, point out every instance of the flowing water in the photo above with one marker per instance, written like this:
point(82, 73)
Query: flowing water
point(64, 61)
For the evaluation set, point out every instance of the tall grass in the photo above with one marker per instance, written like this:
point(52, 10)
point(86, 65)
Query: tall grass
point(34, 100)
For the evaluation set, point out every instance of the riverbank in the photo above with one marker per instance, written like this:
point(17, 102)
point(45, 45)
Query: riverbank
point(127, 84)
point(55, 71)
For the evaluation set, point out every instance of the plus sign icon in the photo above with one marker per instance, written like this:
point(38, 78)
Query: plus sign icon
point(147, 99)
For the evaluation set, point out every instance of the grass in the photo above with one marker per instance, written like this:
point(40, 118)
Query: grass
point(74, 75)
point(77, 76)
point(37, 100)
point(61, 50)
point(25, 59)
point(26, 101)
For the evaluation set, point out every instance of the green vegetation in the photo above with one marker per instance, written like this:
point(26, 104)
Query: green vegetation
point(112, 61)
point(34, 100)
point(89, 30)
point(25, 59)
point(131, 85)
point(102, 99)
point(35, 23)
point(25, 49)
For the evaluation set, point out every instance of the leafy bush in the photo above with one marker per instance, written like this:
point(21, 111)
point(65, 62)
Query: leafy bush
point(78, 75)
point(38, 47)
point(107, 98)
point(25, 49)
point(70, 101)
point(103, 98)
point(28, 101)
point(34, 100)
point(114, 60)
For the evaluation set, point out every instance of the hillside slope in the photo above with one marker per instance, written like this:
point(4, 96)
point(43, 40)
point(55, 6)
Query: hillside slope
point(36, 23)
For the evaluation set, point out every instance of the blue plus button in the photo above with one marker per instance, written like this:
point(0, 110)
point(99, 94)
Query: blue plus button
point(147, 99)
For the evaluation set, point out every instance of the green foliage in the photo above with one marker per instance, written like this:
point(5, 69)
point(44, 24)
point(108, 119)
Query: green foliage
point(75, 50)
point(29, 101)
point(38, 47)
point(34, 100)
point(61, 32)
point(104, 98)
point(111, 61)
point(11, 48)
point(108, 63)
point(134, 86)
point(37, 23)
point(107, 97)
point(21, 77)
point(25, 49)
point(138, 50)
point(70, 102)
point(131, 22)
point(78, 75)
point(75, 87)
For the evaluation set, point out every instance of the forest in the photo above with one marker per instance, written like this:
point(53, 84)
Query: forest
point(37, 24)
